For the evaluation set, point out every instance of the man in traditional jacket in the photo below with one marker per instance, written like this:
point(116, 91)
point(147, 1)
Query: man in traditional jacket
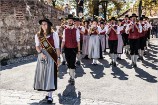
point(134, 29)
point(113, 31)
point(71, 45)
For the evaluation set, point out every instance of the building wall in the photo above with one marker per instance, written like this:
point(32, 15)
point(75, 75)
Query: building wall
point(19, 24)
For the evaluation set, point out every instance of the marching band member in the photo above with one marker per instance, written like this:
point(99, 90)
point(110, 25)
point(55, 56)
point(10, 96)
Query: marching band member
point(94, 43)
point(149, 26)
point(102, 35)
point(125, 22)
point(82, 31)
point(60, 33)
point(71, 45)
point(48, 60)
point(134, 29)
point(113, 32)
point(120, 40)
point(85, 39)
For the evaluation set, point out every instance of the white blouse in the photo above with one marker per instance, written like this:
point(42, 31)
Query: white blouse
point(55, 38)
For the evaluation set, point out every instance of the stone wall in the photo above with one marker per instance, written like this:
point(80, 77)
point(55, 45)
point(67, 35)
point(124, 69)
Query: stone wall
point(19, 23)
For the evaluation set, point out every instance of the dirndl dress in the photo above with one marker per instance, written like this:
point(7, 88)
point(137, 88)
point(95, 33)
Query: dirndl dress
point(94, 47)
point(120, 44)
point(102, 39)
point(85, 44)
point(107, 41)
point(45, 74)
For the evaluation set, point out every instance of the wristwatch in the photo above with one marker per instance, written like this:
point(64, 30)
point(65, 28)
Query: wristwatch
point(40, 52)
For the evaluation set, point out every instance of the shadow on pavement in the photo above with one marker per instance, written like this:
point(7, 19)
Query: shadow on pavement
point(97, 70)
point(79, 71)
point(105, 63)
point(17, 64)
point(118, 73)
point(70, 96)
point(124, 63)
point(145, 76)
point(42, 102)
point(62, 71)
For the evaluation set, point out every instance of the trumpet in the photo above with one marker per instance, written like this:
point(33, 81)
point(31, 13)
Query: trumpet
point(93, 29)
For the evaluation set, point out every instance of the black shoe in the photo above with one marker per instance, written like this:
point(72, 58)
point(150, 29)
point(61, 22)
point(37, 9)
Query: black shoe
point(118, 58)
point(50, 100)
point(78, 63)
point(46, 97)
point(141, 58)
point(71, 81)
point(86, 57)
point(101, 58)
point(114, 64)
point(127, 53)
point(132, 64)
point(111, 63)
point(135, 65)
point(64, 62)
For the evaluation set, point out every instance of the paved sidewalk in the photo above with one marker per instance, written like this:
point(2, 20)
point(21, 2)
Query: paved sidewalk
point(95, 85)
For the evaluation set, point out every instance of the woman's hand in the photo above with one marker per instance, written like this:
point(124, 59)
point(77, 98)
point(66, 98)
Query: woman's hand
point(44, 56)
point(58, 62)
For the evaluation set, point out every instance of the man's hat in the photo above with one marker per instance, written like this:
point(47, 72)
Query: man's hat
point(126, 16)
point(45, 20)
point(113, 18)
point(87, 20)
point(70, 16)
point(134, 15)
point(101, 22)
point(95, 19)
point(120, 20)
point(77, 19)
point(146, 17)
point(141, 18)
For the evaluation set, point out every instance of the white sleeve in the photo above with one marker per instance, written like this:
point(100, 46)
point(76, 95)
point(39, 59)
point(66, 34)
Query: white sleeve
point(140, 28)
point(77, 35)
point(56, 40)
point(118, 30)
point(37, 42)
point(83, 29)
point(63, 36)
point(127, 28)
point(99, 29)
point(106, 29)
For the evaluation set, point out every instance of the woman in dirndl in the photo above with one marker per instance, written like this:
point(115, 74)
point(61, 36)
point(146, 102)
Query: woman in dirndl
point(94, 42)
point(46, 70)
point(120, 40)
point(102, 35)
point(85, 39)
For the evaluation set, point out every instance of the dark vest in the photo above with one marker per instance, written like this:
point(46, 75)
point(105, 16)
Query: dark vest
point(135, 34)
point(70, 38)
point(113, 34)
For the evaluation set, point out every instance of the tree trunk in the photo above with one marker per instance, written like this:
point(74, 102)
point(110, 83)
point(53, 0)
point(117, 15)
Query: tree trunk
point(140, 8)
point(96, 7)
point(106, 8)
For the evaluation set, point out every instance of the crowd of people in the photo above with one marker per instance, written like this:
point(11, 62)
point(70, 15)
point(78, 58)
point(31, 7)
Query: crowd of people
point(85, 38)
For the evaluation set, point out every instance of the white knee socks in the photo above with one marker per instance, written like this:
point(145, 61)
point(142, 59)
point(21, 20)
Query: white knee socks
point(50, 94)
point(115, 57)
point(63, 55)
point(72, 73)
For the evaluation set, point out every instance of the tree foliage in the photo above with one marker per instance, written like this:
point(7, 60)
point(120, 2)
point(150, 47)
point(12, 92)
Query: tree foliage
point(149, 8)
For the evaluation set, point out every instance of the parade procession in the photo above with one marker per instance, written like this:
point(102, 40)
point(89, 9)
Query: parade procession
point(91, 39)
point(79, 52)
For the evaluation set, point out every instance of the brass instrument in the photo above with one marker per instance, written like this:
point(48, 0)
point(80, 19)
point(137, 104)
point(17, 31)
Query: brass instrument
point(93, 29)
